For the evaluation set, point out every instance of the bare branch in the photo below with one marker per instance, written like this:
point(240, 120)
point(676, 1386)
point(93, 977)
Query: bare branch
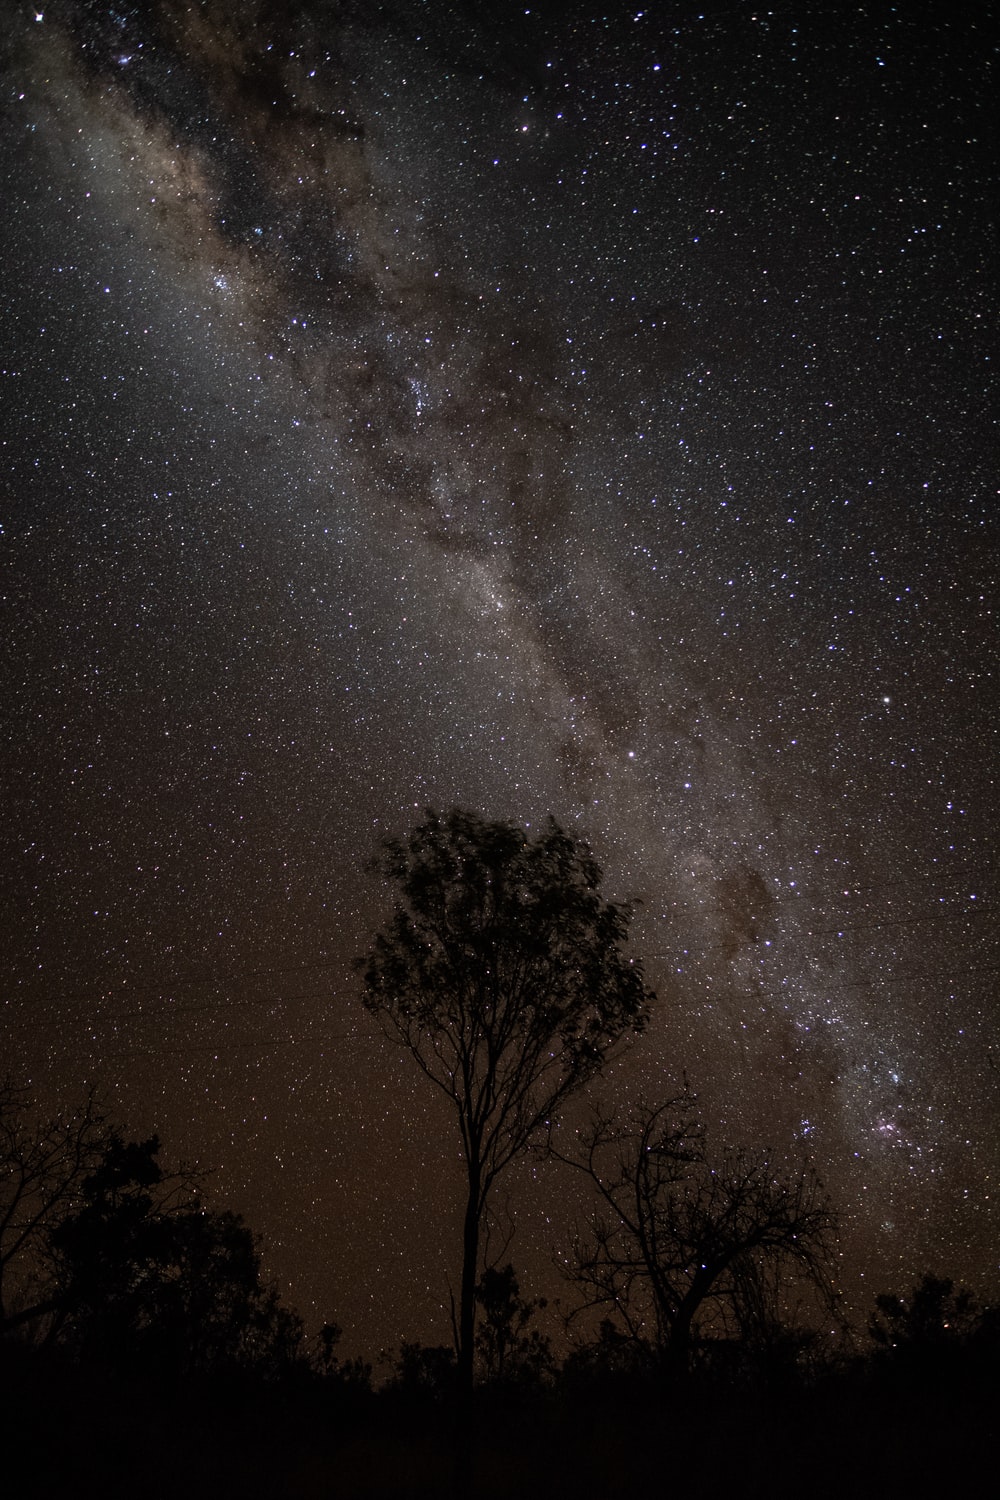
point(683, 1249)
point(43, 1164)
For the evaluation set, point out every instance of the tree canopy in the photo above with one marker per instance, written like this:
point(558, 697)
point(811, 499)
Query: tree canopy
point(145, 1275)
point(109, 1255)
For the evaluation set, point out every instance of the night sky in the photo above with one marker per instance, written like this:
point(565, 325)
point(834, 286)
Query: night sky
point(572, 409)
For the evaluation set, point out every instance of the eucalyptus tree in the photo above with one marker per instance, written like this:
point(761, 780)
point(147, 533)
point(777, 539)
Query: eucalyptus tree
point(503, 972)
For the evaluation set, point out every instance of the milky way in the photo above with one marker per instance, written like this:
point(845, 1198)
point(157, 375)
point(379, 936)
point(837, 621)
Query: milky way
point(540, 411)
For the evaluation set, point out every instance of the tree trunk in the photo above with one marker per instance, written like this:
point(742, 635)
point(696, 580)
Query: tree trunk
point(470, 1275)
point(463, 1477)
point(677, 1356)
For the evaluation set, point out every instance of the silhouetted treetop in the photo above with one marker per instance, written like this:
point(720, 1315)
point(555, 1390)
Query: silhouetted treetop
point(500, 946)
point(146, 1276)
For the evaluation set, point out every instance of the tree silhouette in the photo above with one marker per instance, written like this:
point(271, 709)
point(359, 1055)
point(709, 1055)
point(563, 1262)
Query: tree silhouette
point(145, 1277)
point(43, 1163)
point(502, 972)
point(937, 1333)
point(510, 1351)
point(424, 1371)
point(682, 1246)
point(354, 1374)
point(932, 1315)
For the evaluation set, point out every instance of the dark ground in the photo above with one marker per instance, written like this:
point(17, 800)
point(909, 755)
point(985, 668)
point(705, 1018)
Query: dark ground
point(69, 1434)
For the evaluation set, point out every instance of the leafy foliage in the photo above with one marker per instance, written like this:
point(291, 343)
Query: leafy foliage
point(354, 1374)
point(933, 1314)
point(145, 1275)
point(426, 1372)
point(510, 1352)
point(502, 972)
point(937, 1334)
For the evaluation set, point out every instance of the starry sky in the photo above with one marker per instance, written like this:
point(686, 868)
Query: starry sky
point(568, 409)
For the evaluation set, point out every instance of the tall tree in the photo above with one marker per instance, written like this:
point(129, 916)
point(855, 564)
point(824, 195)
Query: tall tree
point(503, 972)
point(684, 1245)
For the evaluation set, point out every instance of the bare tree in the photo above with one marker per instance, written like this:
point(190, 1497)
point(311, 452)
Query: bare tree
point(682, 1248)
point(43, 1164)
point(502, 972)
